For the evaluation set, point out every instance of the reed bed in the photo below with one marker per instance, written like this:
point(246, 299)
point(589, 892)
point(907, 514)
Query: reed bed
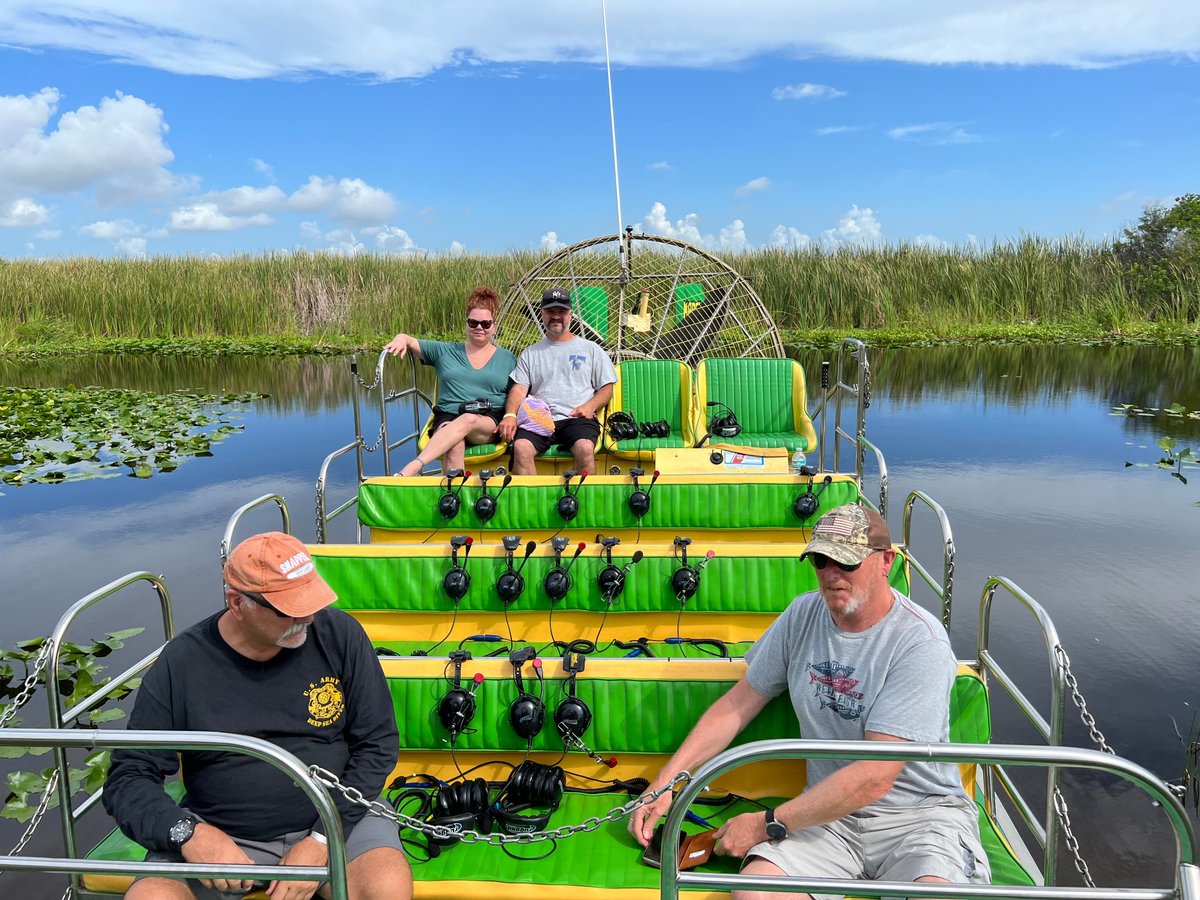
point(1031, 281)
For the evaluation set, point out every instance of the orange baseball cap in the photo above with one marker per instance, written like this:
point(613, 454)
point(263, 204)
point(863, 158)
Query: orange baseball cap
point(278, 566)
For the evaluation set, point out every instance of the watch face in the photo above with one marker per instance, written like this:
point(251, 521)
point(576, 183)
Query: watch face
point(775, 829)
point(181, 831)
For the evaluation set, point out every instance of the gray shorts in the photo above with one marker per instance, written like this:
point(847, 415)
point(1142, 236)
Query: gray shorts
point(882, 843)
point(371, 833)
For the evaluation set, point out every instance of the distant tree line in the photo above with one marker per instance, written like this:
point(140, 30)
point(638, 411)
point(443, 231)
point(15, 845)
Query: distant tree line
point(1160, 256)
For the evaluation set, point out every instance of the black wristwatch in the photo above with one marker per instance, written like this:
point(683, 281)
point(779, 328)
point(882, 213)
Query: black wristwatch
point(181, 832)
point(775, 829)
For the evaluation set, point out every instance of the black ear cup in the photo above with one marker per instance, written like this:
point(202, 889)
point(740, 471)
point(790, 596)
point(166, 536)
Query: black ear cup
point(461, 807)
point(456, 583)
point(805, 505)
point(510, 585)
point(611, 582)
point(527, 715)
point(621, 426)
point(485, 507)
point(658, 429)
point(449, 505)
point(456, 710)
point(685, 582)
point(572, 715)
point(557, 583)
point(568, 507)
point(531, 785)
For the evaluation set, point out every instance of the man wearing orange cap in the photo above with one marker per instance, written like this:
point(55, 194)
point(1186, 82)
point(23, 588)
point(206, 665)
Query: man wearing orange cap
point(278, 664)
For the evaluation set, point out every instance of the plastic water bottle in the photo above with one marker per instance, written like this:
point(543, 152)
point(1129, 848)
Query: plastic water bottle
point(798, 461)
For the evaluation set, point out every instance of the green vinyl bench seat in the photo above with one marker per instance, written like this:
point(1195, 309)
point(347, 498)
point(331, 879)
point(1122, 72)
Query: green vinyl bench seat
point(768, 397)
point(643, 709)
point(752, 507)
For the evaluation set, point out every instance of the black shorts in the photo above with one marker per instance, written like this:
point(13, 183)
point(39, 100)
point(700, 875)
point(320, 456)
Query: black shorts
point(442, 416)
point(566, 433)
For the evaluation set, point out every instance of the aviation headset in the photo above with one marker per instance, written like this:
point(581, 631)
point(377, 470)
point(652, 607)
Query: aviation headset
point(526, 714)
point(611, 579)
point(457, 581)
point(461, 806)
point(808, 502)
point(623, 427)
point(724, 426)
point(686, 579)
point(568, 503)
point(456, 709)
point(449, 504)
point(485, 503)
point(572, 717)
point(558, 580)
point(639, 500)
point(530, 785)
point(511, 582)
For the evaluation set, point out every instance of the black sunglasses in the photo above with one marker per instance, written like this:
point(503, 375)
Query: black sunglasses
point(480, 323)
point(265, 605)
point(820, 561)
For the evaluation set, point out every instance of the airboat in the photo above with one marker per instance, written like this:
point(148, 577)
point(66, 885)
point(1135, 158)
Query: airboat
point(580, 622)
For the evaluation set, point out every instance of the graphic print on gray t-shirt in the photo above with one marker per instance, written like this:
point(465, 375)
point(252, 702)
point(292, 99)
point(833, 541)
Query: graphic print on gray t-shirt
point(564, 374)
point(894, 678)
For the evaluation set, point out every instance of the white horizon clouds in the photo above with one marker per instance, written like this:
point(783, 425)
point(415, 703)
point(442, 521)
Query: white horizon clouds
point(238, 40)
point(934, 133)
point(24, 212)
point(858, 227)
point(349, 200)
point(807, 92)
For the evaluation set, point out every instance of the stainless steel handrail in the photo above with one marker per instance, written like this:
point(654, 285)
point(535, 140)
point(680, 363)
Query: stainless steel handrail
point(945, 590)
point(63, 739)
point(985, 754)
point(236, 518)
point(60, 719)
point(1051, 731)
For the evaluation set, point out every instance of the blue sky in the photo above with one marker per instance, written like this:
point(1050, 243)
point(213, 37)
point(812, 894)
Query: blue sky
point(168, 127)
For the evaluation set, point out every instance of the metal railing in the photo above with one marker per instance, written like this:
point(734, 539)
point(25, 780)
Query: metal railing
point(945, 589)
point(378, 390)
point(236, 518)
point(1187, 875)
point(62, 740)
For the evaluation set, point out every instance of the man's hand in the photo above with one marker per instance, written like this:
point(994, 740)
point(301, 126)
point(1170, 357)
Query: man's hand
point(644, 818)
point(209, 844)
point(398, 346)
point(739, 834)
point(307, 852)
point(583, 411)
point(507, 429)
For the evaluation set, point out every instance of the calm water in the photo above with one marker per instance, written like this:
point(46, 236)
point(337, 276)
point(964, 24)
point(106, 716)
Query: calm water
point(1017, 444)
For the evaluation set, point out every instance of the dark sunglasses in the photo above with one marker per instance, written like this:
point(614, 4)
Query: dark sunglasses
point(820, 561)
point(485, 324)
point(265, 605)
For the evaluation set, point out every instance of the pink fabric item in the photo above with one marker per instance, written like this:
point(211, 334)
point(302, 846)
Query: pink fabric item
point(534, 415)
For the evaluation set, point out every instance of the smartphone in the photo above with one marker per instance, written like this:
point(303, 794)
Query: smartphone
point(652, 855)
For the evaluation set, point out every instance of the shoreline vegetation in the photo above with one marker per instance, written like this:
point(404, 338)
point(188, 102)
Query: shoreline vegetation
point(1030, 291)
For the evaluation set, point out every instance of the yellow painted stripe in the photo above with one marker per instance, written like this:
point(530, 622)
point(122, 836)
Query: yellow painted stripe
point(637, 668)
point(494, 549)
point(547, 480)
point(535, 627)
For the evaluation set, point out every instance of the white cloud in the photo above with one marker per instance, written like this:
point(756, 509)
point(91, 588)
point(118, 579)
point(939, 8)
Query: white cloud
point(349, 200)
point(456, 249)
point(248, 201)
point(835, 129)
point(934, 133)
point(116, 149)
point(23, 212)
point(785, 237)
point(265, 167)
point(392, 239)
point(686, 229)
point(550, 242)
point(207, 216)
point(807, 92)
point(931, 242)
point(399, 40)
point(107, 231)
point(661, 166)
point(48, 234)
point(132, 247)
point(858, 227)
point(733, 237)
point(753, 186)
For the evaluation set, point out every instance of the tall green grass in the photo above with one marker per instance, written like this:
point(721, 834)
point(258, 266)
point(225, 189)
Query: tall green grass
point(1031, 281)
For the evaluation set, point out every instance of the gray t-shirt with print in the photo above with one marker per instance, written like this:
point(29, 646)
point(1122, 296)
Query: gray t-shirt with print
point(894, 678)
point(564, 373)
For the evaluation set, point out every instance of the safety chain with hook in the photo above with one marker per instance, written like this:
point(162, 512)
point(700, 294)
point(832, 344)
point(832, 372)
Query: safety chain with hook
point(378, 441)
point(1060, 802)
point(38, 813)
point(374, 384)
point(31, 683)
point(444, 832)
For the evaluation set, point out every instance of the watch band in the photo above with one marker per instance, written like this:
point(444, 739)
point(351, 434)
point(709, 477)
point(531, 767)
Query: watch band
point(319, 838)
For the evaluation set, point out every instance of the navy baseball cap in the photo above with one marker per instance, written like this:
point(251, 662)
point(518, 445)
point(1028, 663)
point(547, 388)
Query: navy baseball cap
point(555, 297)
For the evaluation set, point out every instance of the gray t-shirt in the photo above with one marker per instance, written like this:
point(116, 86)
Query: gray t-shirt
point(564, 373)
point(894, 678)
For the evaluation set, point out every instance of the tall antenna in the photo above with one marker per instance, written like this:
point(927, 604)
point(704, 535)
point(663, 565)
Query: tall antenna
point(612, 116)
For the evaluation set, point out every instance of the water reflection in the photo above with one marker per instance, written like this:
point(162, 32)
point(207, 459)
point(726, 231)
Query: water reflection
point(1017, 444)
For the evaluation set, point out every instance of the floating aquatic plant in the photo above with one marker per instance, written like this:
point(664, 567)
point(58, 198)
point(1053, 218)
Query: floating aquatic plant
point(1175, 459)
point(52, 435)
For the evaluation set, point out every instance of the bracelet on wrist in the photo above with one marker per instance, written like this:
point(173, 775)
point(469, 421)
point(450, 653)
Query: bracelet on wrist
point(319, 838)
point(508, 416)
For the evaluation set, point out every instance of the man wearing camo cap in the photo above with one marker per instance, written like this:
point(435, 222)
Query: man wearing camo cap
point(860, 661)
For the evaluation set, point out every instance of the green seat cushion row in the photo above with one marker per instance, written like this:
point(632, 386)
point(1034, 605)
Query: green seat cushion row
point(606, 650)
point(789, 440)
point(603, 504)
point(474, 450)
point(729, 584)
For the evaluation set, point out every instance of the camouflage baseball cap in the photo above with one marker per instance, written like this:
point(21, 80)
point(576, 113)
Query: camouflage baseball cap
point(849, 534)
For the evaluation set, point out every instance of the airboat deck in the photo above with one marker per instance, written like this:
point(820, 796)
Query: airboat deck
point(657, 652)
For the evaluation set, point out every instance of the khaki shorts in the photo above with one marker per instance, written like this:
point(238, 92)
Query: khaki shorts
point(371, 833)
point(881, 843)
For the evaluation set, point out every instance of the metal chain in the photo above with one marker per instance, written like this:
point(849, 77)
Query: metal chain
point(374, 384)
point(1060, 807)
point(445, 832)
point(42, 806)
point(378, 441)
point(320, 506)
point(30, 685)
point(1088, 720)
